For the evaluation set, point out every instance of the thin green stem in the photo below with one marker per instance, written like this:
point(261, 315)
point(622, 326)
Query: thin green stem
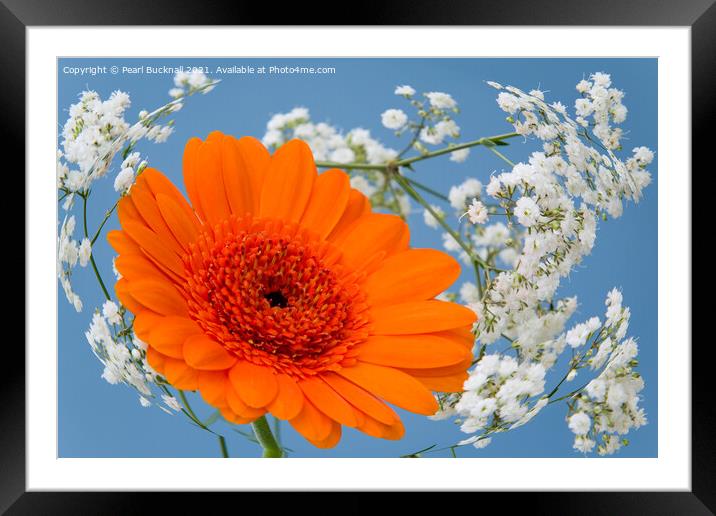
point(265, 437)
point(222, 445)
point(104, 221)
point(488, 141)
point(500, 155)
point(92, 262)
point(426, 189)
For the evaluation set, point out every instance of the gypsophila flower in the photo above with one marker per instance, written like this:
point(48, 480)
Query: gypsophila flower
point(468, 189)
point(171, 402)
point(440, 100)
point(110, 311)
point(460, 155)
point(394, 119)
point(477, 213)
point(430, 220)
point(405, 90)
point(579, 423)
point(124, 180)
point(527, 211)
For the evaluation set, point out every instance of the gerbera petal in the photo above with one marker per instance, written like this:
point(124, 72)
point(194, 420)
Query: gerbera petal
point(232, 417)
point(192, 174)
point(358, 205)
point(121, 288)
point(375, 428)
point(416, 351)
point(153, 246)
point(256, 385)
point(237, 405)
point(393, 386)
point(333, 437)
point(419, 317)
point(372, 234)
point(137, 266)
point(159, 184)
point(147, 206)
point(145, 322)
point(237, 181)
point(212, 386)
point(311, 423)
point(328, 401)
point(180, 374)
point(328, 202)
point(121, 243)
point(211, 186)
point(169, 333)
point(289, 181)
point(158, 296)
point(255, 159)
point(183, 228)
point(412, 275)
point(203, 352)
point(460, 367)
point(452, 383)
point(156, 360)
point(289, 400)
point(361, 399)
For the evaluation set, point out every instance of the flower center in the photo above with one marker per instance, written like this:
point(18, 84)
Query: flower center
point(273, 294)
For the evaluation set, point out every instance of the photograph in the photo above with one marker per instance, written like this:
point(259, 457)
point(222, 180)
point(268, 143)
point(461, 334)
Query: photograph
point(358, 257)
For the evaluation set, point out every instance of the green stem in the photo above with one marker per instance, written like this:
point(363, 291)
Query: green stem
point(222, 445)
point(265, 437)
point(427, 189)
point(94, 265)
point(487, 141)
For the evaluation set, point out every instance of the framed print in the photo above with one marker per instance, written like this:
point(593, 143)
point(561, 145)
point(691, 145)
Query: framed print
point(394, 262)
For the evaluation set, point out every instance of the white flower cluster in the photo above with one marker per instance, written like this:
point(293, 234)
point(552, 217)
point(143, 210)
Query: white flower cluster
point(69, 254)
point(123, 357)
point(190, 82)
point(608, 408)
point(326, 141)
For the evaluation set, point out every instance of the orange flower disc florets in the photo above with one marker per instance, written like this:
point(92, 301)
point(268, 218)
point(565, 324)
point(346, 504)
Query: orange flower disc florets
point(269, 294)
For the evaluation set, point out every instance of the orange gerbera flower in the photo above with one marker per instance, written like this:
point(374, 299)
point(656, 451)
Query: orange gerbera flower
point(278, 290)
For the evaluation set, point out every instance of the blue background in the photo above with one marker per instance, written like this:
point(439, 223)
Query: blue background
point(101, 420)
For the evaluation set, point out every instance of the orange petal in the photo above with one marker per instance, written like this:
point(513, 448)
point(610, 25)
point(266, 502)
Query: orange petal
point(289, 181)
point(416, 351)
point(393, 386)
point(210, 182)
point(237, 405)
point(412, 275)
point(212, 386)
point(358, 205)
point(234, 418)
point(375, 428)
point(147, 206)
point(121, 288)
point(121, 243)
point(192, 174)
point(145, 322)
point(236, 178)
point(156, 360)
point(453, 383)
point(361, 399)
point(372, 234)
point(328, 401)
point(328, 202)
point(255, 159)
point(138, 266)
point(150, 242)
point(419, 317)
point(289, 400)
point(203, 352)
point(256, 385)
point(169, 333)
point(311, 423)
point(158, 296)
point(333, 437)
point(159, 184)
point(183, 228)
point(180, 375)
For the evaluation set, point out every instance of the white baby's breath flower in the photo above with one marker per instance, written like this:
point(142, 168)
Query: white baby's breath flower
point(394, 119)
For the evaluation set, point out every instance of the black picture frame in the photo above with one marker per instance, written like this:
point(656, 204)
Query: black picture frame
point(699, 15)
